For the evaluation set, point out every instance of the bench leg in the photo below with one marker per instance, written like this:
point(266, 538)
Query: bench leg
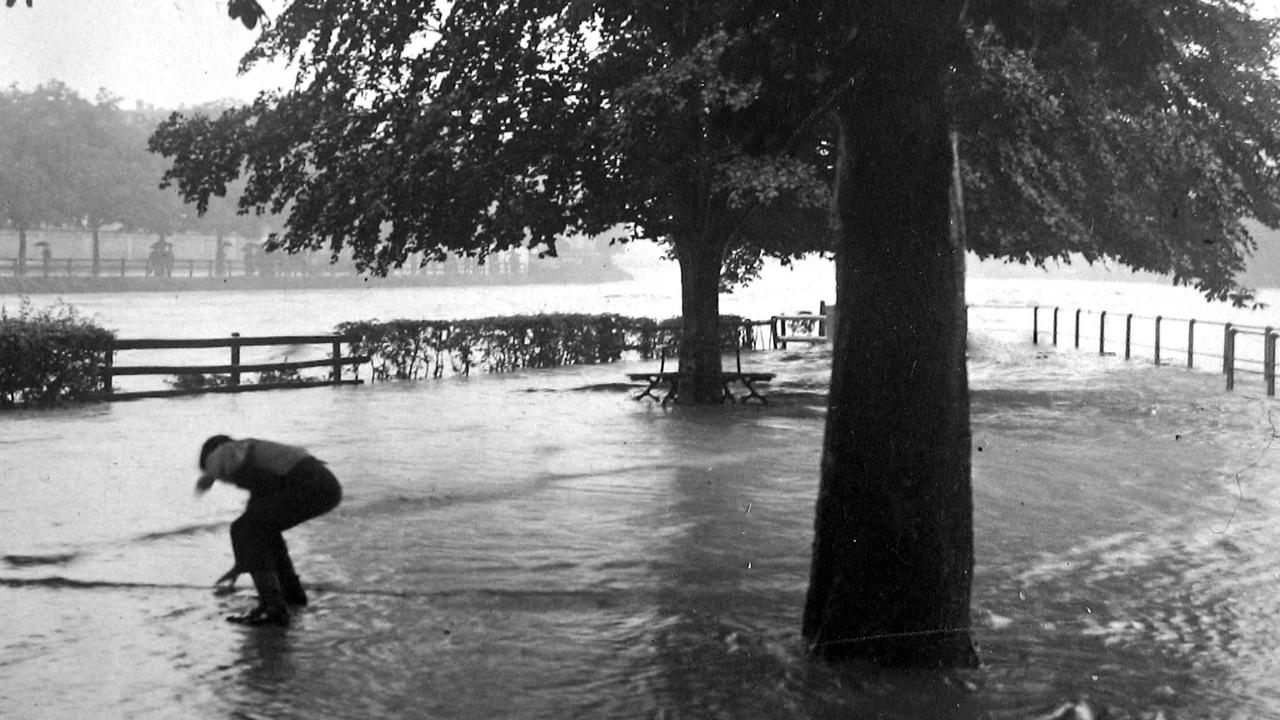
point(728, 394)
point(671, 396)
point(751, 393)
point(648, 391)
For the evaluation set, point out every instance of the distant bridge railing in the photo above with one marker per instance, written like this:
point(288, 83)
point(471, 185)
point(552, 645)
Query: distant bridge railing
point(270, 264)
point(174, 267)
point(229, 377)
point(1246, 349)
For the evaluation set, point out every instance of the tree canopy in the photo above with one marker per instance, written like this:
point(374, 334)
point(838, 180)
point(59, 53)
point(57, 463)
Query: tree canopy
point(1136, 132)
point(1139, 132)
point(496, 125)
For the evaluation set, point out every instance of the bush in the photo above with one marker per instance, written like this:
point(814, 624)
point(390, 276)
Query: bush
point(409, 349)
point(198, 381)
point(50, 356)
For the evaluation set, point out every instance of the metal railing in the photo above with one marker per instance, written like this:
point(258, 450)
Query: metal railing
point(272, 264)
point(1161, 341)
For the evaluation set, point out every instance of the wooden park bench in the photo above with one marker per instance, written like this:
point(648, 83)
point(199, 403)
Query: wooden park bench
point(670, 379)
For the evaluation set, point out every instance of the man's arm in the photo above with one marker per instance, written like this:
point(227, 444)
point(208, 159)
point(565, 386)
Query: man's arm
point(221, 464)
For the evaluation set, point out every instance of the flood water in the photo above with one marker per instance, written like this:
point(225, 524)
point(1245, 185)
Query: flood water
point(539, 545)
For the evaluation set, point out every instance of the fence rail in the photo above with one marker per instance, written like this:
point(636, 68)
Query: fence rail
point(803, 327)
point(234, 369)
point(1162, 340)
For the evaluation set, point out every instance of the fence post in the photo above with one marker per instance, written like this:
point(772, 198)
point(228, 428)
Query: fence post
point(1191, 343)
point(108, 363)
point(123, 267)
point(1128, 334)
point(1035, 325)
point(337, 356)
point(1078, 311)
point(1228, 341)
point(822, 324)
point(1158, 320)
point(1055, 327)
point(1229, 357)
point(1102, 334)
point(235, 359)
point(1269, 360)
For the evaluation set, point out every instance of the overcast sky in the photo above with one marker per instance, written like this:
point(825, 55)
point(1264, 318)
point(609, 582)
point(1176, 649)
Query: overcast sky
point(163, 52)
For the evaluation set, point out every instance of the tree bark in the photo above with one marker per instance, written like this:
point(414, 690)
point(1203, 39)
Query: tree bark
point(893, 547)
point(700, 350)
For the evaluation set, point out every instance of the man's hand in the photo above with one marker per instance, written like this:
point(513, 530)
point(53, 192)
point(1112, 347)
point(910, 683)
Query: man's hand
point(229, 577)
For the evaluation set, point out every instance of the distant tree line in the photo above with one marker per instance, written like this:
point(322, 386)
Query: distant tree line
point(74, 164)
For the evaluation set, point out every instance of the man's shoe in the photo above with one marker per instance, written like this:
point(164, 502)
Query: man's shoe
point(291, 588)
point(262, 615)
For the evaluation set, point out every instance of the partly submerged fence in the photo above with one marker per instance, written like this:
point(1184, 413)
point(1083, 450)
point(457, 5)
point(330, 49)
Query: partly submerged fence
point(803, 327)
point(1245, 349)
point(230, 377)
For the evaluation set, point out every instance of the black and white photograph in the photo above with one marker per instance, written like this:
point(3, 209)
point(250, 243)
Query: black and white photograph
point(639, 359)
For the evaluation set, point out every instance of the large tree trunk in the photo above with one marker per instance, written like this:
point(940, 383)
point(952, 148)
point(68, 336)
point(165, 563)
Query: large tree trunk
point(893, 548)
point(700, 350)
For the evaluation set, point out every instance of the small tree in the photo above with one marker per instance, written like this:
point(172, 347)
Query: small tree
point(512, 125)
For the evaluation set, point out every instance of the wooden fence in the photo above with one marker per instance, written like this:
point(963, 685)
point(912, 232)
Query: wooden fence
point(234, 370)
point(803, 327)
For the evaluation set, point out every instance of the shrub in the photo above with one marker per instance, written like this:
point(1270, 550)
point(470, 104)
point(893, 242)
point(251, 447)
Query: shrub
point(50, 356)
point(198, 381)
point(285, 375)
point(409, 349)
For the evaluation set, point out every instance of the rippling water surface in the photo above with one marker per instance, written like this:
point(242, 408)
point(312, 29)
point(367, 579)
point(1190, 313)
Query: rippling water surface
point(539, 545)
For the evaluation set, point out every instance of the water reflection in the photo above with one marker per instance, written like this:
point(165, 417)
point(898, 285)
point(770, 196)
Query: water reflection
point(266, 660)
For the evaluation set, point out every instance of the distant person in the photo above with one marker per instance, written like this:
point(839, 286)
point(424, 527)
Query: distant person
point(160, 259)
point(220, 258)
point(250, 257)
point(287, 486)
point(46, 256)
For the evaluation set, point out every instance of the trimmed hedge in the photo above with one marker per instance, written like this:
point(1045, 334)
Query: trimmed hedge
point(410, 349)
point(50, 356)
